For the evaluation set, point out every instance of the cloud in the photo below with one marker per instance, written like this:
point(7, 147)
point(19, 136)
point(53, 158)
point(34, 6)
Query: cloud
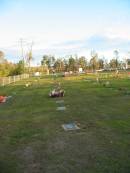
point(97, 42)
point(103, 44)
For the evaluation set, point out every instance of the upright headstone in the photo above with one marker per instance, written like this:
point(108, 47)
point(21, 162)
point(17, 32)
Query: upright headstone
point(80, 70)
point(47, 71)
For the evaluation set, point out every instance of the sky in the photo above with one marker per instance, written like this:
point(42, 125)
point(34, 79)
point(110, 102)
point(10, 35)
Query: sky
point(64, 27)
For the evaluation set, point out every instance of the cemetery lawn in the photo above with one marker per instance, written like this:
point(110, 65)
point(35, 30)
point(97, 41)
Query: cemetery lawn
point(32, 139)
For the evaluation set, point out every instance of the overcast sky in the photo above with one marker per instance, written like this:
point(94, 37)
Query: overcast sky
point(62, 27)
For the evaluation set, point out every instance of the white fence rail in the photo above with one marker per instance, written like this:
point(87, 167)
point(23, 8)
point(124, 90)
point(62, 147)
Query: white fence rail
point(12, 79)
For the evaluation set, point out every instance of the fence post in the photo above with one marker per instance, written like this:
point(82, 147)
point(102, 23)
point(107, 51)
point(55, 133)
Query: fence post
point(14, 79)
point(9, 80)
point(3, 81)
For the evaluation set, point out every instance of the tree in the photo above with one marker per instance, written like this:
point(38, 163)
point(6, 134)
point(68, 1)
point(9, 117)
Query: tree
point(29, 56)
point(101, 63)
point(127, 63)
point(106, 64)
point(2, 55)
point(59, 65)
point(5, 66)
point(29, 59)
point(72, 64)
point(113, 63)
point(82, 62)
point(18, 69)
point(48, 60)
point(116, 56)
point(66, 66)
point(94, 60)
point(127, 60)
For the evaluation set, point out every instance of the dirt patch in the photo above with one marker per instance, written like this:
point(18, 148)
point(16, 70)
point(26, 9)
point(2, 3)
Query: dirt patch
point(28, 162)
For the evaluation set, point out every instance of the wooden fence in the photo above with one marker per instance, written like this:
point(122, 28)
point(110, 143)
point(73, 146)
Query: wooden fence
point(12, 79)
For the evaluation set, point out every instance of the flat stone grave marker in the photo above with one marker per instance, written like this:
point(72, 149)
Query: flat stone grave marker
point(60, 101)
point(61, 108)
point(88, 80)
point(8, 97)
point(127, 93)
point(70, 126)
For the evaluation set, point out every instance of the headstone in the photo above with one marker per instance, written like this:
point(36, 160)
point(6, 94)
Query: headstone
point(70, 126)
point(66, 73)
point(107, 83)
point(8, 97)
point(37, 74)
point(60, 101)
point(47, 72)
point(61, 108)
point(27, 85)
point(88, 80)
point(80, 70)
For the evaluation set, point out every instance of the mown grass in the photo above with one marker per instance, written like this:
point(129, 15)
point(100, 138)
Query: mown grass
point(33, 141)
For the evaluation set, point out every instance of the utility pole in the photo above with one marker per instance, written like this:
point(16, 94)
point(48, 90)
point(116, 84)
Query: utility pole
point(22, 54)
point(30, 55)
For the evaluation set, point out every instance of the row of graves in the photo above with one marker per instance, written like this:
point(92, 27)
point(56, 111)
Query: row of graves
point(107, 82)
point(59, 93)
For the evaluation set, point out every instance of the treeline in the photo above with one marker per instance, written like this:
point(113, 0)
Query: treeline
point(62, 64)
point(73, 63)
point(8, 68)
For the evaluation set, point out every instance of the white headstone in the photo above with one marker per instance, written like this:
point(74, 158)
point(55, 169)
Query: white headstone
point(37, 74)
point(80, 70)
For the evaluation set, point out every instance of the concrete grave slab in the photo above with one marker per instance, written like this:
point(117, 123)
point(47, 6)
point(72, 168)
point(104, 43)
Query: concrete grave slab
point(70, 126)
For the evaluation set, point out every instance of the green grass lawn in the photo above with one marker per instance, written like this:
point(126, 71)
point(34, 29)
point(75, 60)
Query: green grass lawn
point(33, 141)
